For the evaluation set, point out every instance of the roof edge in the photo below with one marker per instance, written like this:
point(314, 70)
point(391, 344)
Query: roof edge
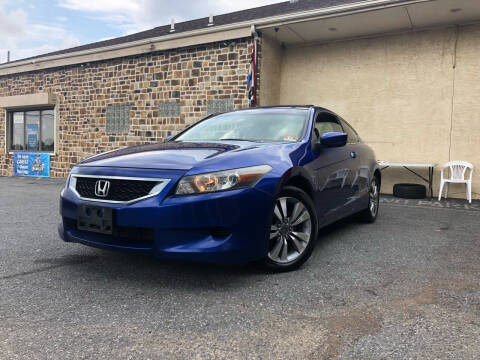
point(123, 50)
point(194, 37)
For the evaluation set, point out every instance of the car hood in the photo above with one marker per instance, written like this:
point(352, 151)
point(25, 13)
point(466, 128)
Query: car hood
point(171, 155)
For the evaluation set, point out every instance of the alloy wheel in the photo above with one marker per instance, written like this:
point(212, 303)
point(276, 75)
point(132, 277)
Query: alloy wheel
point(291, 230)
point(374, 198)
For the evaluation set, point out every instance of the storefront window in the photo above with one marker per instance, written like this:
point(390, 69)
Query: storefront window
point(47, 131)
point(17, 132)
point(32, 130)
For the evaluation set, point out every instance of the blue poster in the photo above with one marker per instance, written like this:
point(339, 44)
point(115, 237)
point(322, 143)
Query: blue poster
point(32, 137)
point(31, 164)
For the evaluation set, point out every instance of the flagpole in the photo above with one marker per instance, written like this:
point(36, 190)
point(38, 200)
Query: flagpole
point(255, 71)
point(252, 73)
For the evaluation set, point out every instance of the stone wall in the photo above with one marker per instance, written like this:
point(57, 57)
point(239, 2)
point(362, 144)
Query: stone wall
point(189, 76)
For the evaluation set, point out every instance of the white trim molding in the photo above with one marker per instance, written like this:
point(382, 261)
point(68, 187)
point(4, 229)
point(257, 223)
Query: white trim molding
point(25, 101)
point(167, 42)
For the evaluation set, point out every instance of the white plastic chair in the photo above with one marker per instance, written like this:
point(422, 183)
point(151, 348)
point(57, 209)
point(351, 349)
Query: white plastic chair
point(458, 170)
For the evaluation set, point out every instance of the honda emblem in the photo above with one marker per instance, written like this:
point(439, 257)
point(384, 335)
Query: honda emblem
point(101, 188)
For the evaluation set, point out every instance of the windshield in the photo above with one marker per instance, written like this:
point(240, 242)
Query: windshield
point(250, 125)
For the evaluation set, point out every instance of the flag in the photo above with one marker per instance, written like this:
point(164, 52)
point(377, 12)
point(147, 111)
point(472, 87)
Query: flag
point(251, 86)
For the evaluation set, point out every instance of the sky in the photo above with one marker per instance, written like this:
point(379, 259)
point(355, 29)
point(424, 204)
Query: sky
point(33, 27)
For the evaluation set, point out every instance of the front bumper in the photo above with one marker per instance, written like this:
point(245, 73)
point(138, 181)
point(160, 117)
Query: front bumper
point(224, 227)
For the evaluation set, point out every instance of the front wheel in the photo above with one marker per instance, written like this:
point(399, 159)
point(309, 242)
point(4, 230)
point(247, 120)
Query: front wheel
point(293, 230)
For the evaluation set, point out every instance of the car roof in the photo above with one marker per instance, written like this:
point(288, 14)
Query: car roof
point(305, 107)
point(299, 107)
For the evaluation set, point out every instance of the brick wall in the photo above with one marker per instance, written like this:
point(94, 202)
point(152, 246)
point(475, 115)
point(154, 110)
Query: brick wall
point(191, 76)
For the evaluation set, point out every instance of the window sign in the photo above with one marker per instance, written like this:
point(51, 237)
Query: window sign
point(31, 164)
point(18, 118)
point(32, 137)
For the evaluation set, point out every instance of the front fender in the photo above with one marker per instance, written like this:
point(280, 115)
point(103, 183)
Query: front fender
point(299, 177)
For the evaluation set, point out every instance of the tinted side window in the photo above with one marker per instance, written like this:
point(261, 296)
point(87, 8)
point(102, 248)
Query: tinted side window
point(352, 134)
point(326, 122)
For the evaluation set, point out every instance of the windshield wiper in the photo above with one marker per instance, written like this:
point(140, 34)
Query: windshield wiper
point(235, 139)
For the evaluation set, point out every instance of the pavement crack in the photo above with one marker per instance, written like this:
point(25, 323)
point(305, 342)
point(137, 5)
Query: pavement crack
point(25, 273)
point(56, 263)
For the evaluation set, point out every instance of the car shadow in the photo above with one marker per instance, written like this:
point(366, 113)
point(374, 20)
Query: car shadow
point(134, 270)
point(112, 266)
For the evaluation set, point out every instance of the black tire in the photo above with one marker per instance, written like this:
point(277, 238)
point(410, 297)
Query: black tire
point(370, 214)
point(294, 195)
point(410, 191)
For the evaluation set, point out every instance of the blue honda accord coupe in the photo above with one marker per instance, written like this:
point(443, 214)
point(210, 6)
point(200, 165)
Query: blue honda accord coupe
point(254, 184)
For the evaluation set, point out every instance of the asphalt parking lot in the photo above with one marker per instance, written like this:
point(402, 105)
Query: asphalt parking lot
point(407, 286)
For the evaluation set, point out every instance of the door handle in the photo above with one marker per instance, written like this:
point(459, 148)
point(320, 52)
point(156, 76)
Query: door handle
point(353, 154)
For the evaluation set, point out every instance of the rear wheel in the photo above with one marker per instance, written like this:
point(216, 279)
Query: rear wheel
point(370, 214)
point(293, 230)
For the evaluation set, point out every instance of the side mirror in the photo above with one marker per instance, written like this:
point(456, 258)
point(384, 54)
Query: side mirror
point(168, 138)
point(333, 139)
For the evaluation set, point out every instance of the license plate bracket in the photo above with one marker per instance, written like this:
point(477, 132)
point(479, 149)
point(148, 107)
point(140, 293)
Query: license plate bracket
point(97, 219)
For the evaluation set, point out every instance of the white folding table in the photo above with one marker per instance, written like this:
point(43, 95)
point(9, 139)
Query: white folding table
point(408, 165)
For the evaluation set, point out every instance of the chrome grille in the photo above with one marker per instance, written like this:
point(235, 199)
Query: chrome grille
point(120, 190)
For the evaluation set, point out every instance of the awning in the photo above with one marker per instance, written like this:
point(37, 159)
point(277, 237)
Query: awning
point(389, 19)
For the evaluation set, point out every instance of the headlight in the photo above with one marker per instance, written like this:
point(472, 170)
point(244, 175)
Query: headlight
point(222, 180)
point(72, 183)
point(66, 184)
